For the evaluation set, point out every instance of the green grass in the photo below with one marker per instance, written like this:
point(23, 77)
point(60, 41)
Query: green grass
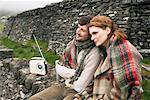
point(146, 60)
point(146, 80)
point(1, 27)
point(146, 88)
point(29, 49)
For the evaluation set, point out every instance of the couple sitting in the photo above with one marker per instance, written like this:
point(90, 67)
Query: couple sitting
point(102, 65)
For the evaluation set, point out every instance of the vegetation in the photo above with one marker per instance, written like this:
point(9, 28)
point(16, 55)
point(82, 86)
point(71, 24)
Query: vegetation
point(146, 88)
point(146, 60)
point(1, 27)
point(146, 80)
point(29, 49)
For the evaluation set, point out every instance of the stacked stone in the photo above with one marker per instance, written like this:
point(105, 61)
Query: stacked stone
point(139, 27)
point(17, 83)
point(8, 85)
point(5, 52)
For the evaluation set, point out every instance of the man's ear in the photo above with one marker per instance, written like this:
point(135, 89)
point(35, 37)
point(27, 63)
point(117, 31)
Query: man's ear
point(108, 30)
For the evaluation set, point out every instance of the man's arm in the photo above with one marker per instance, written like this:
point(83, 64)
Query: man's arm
point(63, 71)
point(90, 64)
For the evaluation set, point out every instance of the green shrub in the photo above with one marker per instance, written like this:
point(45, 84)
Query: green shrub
point(146, 88)
point(146, 60)
point(146, 80)
point(1, 27)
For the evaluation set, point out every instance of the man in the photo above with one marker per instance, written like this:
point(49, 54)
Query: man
point(80, 55)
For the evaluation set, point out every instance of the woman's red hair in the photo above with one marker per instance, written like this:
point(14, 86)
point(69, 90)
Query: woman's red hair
point(104, 22)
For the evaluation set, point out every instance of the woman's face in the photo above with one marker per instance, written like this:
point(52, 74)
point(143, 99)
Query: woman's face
point(99, 35)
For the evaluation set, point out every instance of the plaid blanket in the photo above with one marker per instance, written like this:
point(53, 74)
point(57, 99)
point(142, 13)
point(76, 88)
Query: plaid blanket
point(119, 77)
point(69, 58)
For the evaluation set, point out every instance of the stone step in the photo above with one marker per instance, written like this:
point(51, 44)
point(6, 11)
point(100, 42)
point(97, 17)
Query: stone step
point(6, 53)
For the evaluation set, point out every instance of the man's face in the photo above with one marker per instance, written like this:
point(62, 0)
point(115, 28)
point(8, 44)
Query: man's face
point(82, 33)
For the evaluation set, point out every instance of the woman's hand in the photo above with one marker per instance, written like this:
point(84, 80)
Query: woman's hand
point(77, 97)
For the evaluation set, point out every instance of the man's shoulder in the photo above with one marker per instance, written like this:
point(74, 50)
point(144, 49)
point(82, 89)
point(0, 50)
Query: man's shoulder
point(94, 50)
point(93, 55)
point(70, 43)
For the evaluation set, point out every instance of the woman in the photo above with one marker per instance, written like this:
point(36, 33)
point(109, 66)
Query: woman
point(118, 76)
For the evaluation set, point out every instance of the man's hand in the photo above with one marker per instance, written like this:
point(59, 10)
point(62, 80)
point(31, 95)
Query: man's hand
point(77, 97)
point(69, 85)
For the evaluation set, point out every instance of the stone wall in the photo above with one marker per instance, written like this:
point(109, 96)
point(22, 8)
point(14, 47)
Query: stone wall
point(17, 83)
point(5, 52)
point(139, 27)
point(56, 23)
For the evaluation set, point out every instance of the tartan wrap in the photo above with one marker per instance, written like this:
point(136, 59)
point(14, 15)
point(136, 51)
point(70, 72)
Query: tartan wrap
point(69, 58)
point(119, 77)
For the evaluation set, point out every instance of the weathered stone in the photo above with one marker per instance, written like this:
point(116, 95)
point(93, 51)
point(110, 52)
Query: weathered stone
point(6, 53)
point(126, 1)
point(30, 79)
point(35, 88)
point(22, 72)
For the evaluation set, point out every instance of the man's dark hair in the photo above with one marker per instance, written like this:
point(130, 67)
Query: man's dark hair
point(84, 20)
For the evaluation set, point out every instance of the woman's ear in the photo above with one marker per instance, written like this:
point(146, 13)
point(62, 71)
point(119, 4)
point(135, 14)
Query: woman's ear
point(108, 30)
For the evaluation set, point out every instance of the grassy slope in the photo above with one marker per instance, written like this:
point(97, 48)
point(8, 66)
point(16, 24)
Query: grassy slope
point(29, 50)
point(146, 80)
point(1, 27)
